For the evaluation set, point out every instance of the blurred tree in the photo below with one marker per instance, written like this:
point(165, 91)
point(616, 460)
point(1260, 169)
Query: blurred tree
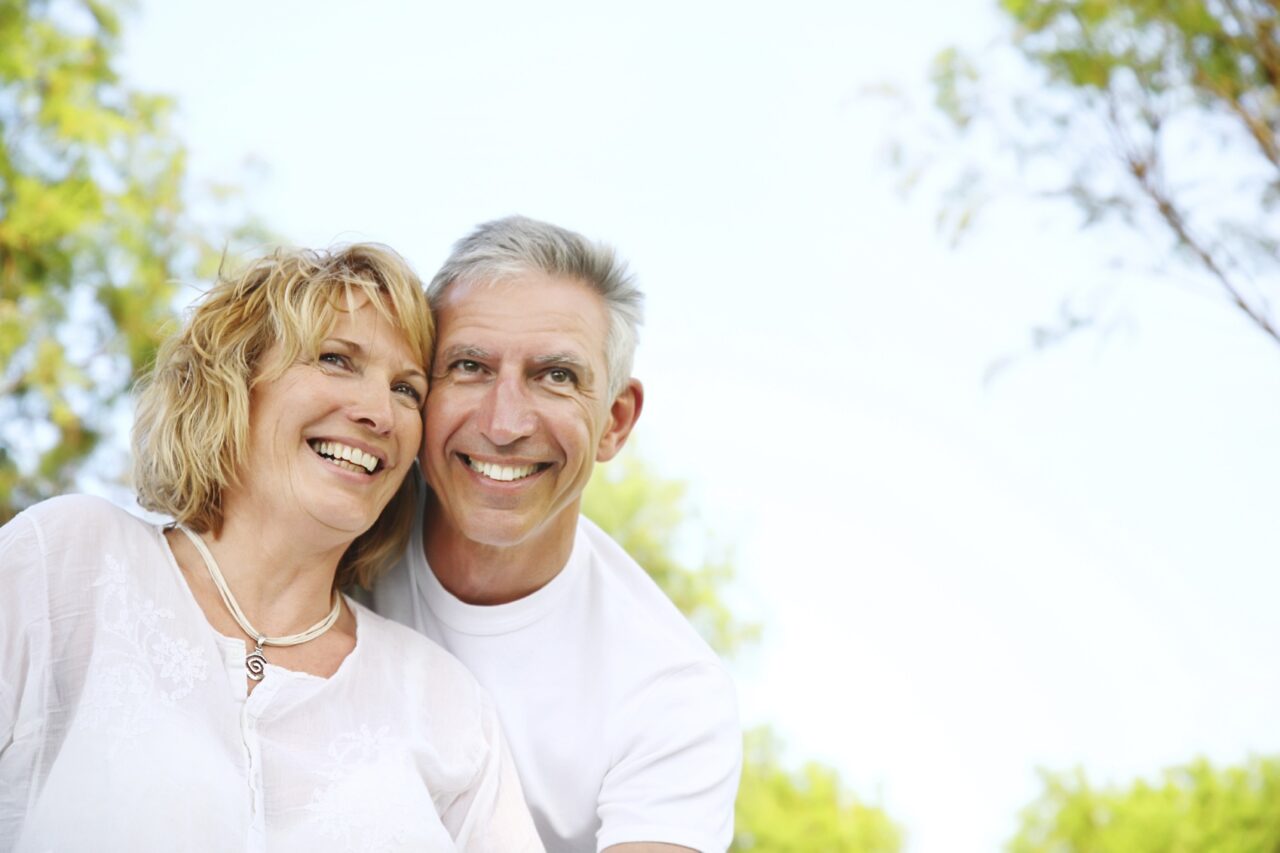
point(797, 812)
point(93, 235)
point(1193, 809)
point(1164, 114)
point(778, 810)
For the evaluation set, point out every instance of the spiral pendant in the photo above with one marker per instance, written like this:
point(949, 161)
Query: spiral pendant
point(256, 663)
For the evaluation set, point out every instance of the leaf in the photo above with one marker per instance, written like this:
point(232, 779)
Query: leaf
point(93, 235)
point(1135, 103)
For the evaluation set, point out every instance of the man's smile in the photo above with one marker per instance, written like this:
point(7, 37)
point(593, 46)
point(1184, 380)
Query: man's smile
point(503, 473)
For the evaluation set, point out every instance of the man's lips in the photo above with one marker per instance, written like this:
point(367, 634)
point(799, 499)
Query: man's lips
point(503, 473)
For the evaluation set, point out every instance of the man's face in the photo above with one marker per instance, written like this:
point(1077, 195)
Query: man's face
point(518, 410)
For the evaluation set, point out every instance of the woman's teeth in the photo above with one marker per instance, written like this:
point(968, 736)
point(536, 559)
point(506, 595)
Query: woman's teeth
point(354, 458)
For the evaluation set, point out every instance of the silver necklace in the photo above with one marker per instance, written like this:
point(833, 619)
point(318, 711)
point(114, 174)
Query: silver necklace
point(255, 663)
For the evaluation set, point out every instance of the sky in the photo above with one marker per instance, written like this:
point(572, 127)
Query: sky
point(961, 577)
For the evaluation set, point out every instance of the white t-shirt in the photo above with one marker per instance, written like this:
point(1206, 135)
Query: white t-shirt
point(125, 723)
point(622, 721)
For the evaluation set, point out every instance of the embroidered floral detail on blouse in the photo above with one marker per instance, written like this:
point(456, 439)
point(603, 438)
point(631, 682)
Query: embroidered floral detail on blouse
point(355, 809)
point(144, 668)
point(355, 748)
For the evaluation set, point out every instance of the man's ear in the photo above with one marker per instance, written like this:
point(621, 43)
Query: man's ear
point(623, 415)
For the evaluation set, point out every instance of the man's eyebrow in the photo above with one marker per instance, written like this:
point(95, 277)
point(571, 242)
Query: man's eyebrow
point(463, 351)
point(565, 359)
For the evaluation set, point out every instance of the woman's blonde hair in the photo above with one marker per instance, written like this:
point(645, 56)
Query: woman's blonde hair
point(191, 432)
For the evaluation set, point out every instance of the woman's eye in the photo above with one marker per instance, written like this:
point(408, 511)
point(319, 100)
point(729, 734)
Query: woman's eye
point(337, 359)
point(407, 390)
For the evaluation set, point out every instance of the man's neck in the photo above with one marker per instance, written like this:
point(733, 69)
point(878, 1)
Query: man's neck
point(480, 573)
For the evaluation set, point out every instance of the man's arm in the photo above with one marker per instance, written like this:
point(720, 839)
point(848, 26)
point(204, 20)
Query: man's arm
point(676, 777)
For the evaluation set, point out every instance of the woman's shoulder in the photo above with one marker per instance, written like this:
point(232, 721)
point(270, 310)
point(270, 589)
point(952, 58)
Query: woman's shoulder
point(412, 658)
point(69, 528)
point(418, 690)
point(81, 514)
point(57, 555)
point(389, 636)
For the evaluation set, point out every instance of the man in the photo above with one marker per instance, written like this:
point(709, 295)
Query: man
point(622, 722)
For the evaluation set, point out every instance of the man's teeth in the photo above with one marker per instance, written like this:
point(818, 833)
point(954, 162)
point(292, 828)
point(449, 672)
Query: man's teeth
point(342, 453)
point(505, 473)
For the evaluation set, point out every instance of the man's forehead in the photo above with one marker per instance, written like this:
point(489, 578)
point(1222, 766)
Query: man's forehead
point(481, 345)
point(531, 355)
point(526, 310)
point(515, 279)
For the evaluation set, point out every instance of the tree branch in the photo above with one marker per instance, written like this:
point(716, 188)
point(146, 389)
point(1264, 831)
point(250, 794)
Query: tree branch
point(1258, 128)
point(1144, 168)
point(1177, 223)
point(1259, 33)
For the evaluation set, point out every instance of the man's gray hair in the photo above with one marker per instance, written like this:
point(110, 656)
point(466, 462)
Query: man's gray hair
point(508, 247)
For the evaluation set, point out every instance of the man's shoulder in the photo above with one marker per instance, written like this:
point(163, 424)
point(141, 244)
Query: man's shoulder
point(637, 605)
point(607, 560)
point(672, 722)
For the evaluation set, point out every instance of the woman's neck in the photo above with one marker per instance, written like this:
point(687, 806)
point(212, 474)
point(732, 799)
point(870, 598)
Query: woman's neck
point(281, 577)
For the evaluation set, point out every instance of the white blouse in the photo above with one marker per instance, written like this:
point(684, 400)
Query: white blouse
point(125, 723)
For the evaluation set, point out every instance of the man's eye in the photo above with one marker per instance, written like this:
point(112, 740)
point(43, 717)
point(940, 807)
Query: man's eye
point(561, 376)
point(466, 365)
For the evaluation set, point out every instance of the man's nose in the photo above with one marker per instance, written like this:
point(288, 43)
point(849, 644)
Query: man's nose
point(508, 414)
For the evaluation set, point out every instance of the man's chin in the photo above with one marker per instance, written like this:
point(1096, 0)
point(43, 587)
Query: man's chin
point(497, 529)
point(506, 529)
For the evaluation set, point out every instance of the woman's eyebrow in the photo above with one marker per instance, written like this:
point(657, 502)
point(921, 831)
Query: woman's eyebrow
point(409, 368)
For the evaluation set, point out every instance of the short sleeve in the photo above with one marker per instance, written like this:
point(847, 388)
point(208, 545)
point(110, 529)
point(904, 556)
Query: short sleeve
point(676, 777)
point(491, 815)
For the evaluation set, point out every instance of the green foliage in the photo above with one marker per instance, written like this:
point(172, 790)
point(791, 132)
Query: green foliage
point(93, 236)
point(952, 75)
point(1192, 809)
point(1210, 51)
point(778, 810)
point(797, 812)
point(1163, 114)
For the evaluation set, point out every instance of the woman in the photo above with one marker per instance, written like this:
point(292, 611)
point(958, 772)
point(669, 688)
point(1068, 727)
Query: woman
point(203, 686)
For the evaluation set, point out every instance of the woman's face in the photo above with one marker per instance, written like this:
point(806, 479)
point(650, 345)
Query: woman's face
point(331, 440)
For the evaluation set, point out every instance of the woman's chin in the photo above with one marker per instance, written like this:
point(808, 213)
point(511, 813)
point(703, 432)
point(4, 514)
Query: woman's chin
point(342, 521)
